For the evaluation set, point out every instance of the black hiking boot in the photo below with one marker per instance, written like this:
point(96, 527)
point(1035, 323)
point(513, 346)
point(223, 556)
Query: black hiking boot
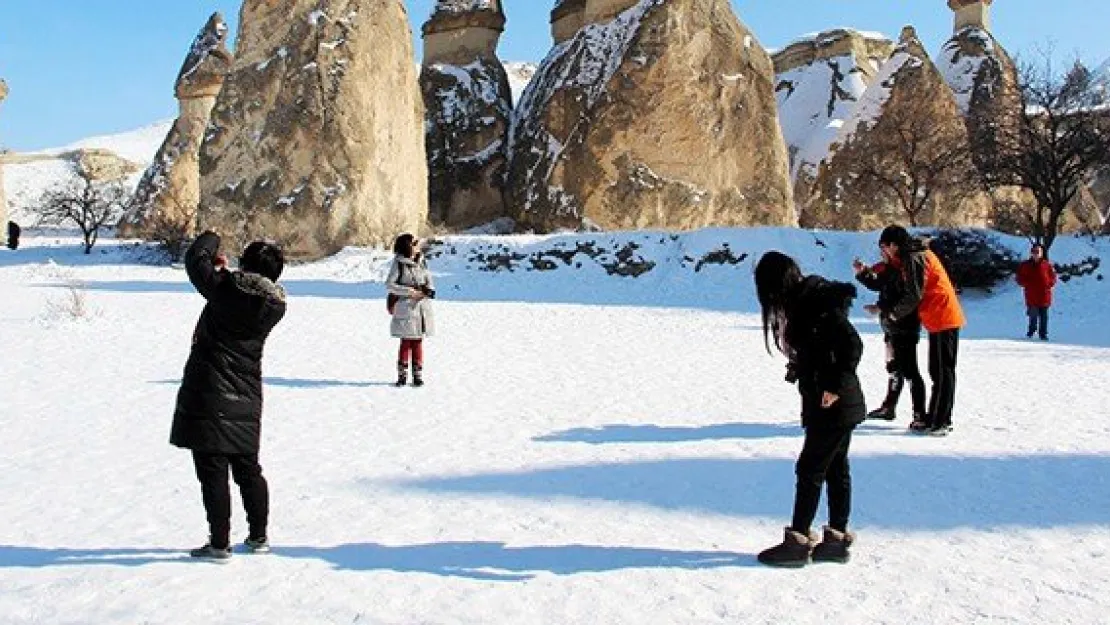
point(417, 375)
point(208, 552)
point(920, 424)
point(792, 552)
point(883, 412)
point(834, 546)
point(257, 545)
point(940, 429)
point(402, 374)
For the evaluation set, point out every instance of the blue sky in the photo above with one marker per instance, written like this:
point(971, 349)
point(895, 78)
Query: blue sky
point(78, 68)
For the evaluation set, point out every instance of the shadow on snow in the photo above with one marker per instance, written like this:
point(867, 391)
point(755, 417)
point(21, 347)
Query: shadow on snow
point(488, 561)
point(915, 493)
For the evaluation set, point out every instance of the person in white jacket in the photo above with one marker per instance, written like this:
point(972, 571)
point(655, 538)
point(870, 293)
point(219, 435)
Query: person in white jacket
point(410, 290)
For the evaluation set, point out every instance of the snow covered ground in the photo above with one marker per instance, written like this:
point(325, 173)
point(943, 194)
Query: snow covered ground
point(589, 449)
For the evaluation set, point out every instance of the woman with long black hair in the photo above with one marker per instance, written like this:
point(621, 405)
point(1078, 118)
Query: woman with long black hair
point(807, 317)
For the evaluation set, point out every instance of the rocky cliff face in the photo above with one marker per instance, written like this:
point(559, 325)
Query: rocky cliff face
point(316, 139)
point(906, 122)
point(468, 107)
point(164, 205)
point(660, 117)
point(820, 80)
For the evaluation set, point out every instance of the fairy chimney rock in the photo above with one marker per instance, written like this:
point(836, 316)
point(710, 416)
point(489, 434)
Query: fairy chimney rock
point(973, 13)
point(317, 136)
point(661, 117)
point(467, 111)
point(819, 81)
point(566, 19)
point(461, 30)
point(908, 103)
point(165, 202)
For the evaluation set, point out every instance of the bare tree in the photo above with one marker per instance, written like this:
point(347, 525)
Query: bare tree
point(86, 203)
point(1055, 143)
point(910, 157)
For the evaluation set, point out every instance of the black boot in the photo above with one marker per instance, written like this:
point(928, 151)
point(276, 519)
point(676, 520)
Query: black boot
point(402, 374)
point(792, 552)
point(883, 412)
point(417, 375)
point(834, 546)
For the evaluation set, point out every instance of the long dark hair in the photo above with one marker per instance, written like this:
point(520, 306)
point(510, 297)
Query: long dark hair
point(776, 275)
point(402, 245)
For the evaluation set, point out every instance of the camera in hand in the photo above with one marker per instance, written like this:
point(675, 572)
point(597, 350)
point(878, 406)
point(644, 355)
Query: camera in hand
point(428, 291)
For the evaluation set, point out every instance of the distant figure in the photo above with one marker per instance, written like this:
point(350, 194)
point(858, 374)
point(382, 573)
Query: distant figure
point(900, 337)
point(219, 406)
point(410, 290)
point(1037, 277)
point(13, 235)
point(928, 292)
point(808, 318)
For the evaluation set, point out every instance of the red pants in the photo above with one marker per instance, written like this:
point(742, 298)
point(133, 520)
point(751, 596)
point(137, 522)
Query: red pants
point(413, 348)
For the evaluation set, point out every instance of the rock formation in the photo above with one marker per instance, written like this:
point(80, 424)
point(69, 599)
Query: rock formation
point(652, 114)
point(316, 139)
point(883, 166)
point(165, 202)
point(468, 108)
point(820, 79)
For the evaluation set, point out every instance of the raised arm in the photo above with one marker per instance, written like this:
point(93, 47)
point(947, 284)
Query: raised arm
point(200, 264)
point(869, 277)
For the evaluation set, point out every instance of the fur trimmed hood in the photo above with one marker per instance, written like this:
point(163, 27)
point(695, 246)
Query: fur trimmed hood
point(257, 284)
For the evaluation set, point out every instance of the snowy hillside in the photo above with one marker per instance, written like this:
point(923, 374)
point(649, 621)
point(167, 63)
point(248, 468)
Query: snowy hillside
point(137, 145)
point(30, 174)
point(590, 448)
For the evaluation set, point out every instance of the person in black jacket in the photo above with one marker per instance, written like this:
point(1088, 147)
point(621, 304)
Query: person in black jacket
point(901, 337)
point(219, 406)
point(808, 319)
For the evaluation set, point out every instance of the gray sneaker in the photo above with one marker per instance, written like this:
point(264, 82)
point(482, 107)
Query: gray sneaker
point(257, 545)
point(208, 552)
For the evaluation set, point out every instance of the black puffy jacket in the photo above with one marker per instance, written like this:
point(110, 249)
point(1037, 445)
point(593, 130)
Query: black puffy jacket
point(888, 282)
point(825, 351)
point(219, 406)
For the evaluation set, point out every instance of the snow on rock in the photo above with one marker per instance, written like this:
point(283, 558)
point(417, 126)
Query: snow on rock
point(344, 124)
point(908, 92)
point(629, 124)
point(467, 117)
point(819, 81)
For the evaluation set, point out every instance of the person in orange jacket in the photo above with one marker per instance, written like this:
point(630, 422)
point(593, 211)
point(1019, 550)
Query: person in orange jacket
point(928, 291)
point(1037, 277)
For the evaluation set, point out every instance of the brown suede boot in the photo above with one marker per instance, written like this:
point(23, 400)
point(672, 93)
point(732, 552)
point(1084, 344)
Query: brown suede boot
point(792, 552)
point(834, 546)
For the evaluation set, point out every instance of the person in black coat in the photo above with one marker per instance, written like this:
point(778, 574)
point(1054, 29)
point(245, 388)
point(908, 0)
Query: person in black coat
point(901, 337)
point(219, 405)
point(808, 319)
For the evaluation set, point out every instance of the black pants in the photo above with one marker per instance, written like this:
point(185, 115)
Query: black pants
point(943, 347)
point(1038, 320)
point(902, 366)
point(824, 460)
point(212, 473)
